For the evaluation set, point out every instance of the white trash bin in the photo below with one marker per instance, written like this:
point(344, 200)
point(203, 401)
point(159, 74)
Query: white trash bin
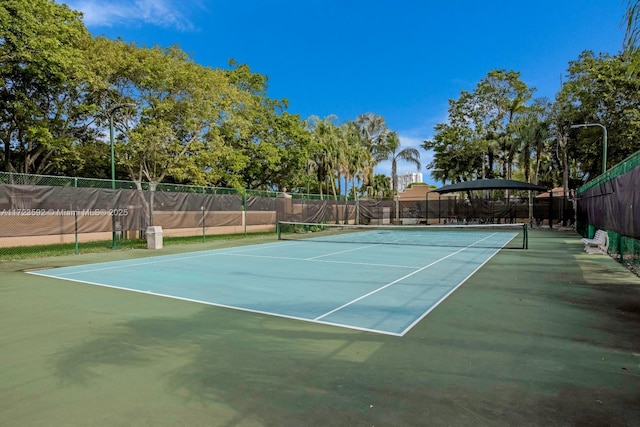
point(154, 237)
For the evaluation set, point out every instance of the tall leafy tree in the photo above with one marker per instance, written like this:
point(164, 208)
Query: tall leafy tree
point(272, 141)
point(600, 90)
point(180, 110)
point(503, 95)
point(461, 149)
point(477, 134)
point(43, 84)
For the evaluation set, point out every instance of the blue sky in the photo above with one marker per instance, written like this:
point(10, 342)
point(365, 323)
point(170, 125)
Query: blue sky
point(400, 59)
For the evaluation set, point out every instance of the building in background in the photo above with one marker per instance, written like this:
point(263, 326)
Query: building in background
point(403, 181)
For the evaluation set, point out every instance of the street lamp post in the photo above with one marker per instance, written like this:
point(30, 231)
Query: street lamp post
point(113, 151)
point(112, 110)
point(604, 141)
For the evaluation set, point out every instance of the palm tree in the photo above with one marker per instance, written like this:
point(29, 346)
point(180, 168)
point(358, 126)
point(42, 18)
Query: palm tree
point(359, 161)
point(324, 152)
point(632, 24)
point(392, 152)
point(379, 187)
point(374, 131)
point(531, 132)
point(317, 167)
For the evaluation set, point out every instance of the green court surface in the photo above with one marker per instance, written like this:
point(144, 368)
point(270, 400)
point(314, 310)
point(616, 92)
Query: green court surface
point(544, 336)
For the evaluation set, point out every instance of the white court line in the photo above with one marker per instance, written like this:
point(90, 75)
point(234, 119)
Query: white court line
point(126, 265)
point(387, 285)
point(158, 259)
point(340, 252)
point(231, 307)
point(322, 260)
point(398, 280)
point(415, 322)
point(215, 252)
point(318, 320)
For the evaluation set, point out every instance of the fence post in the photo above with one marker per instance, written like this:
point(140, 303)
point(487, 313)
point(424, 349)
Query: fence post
point(75, 216)
point(244, 211)
point(551, 209)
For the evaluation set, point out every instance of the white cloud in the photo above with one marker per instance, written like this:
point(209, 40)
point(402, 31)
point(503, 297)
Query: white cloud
point(410, 141)
point(162, 13)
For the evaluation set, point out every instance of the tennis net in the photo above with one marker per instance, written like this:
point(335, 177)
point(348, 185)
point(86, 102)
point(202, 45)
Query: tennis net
point(510, 236)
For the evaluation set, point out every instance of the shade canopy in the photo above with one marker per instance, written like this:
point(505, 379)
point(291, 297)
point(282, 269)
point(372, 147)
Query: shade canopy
point(489, 184)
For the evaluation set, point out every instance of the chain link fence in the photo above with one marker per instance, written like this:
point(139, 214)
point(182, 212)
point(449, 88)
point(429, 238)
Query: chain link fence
point(37, 210)
point(610, 202)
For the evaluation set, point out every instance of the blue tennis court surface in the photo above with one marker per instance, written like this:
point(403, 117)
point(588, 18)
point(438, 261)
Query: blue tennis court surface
point(378, 288)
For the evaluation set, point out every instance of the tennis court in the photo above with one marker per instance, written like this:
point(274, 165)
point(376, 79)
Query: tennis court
point(377, 279)
point(545, 336)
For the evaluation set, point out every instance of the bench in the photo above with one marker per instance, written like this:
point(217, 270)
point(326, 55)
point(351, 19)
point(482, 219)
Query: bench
point(598, 245)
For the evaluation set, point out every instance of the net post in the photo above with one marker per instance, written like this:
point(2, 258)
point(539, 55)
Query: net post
point(278, 229)
point(526, 235)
